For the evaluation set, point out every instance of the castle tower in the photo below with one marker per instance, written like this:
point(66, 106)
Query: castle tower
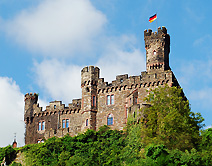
point(157, 45)
point(89, 79)
point(30, 100)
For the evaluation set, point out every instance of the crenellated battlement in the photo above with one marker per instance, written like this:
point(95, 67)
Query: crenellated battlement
point(31, 96)
point(142, 81)
point(159, 33)
point(89, 74)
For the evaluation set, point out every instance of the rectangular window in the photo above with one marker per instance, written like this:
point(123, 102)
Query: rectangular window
point(112, 99)
point(67, 123)
point(110, 120)
point(108, 99)
point(39, 126)
point(94, 101)
point(43, 125)
point(86, 122)
point(63, 123)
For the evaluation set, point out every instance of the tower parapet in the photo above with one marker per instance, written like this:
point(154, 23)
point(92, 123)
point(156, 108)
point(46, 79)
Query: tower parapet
point(30, 100)
point(89, 74)
point(157, 45)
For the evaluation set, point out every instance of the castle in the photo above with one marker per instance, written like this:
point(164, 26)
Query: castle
point(102, 103)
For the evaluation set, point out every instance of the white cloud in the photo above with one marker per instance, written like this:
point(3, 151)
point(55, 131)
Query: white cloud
point(11, 111)
point(62, 82)
point(57, 27)
point(59, 80)
point(121, 57)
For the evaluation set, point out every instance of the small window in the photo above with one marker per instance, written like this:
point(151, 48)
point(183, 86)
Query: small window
point(40, 141)
point(54, 106)
point(94, 101)
point(41, 125)
point(86, 122)
point(112, 99)
point(154, 52)
point(65, 123)
point(110, 120)
point(108, 99)
point(121, 80)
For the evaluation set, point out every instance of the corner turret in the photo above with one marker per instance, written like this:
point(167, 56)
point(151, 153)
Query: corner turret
point(157, 45)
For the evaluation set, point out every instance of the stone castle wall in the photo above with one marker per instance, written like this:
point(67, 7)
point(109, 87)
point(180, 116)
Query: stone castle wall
point(102, 102)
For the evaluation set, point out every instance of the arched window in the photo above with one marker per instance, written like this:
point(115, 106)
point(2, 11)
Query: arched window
point(154, 52)
point(110, 119)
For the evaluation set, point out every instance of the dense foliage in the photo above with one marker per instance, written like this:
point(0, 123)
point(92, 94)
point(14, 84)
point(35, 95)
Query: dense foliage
point(169, 120)
point(8, 154)
point(168, 135)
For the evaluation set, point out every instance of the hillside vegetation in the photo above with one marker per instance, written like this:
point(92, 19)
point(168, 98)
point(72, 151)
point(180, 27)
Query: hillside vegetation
point(168, 134)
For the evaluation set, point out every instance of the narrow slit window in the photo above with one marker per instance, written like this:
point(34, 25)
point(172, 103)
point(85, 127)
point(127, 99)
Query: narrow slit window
point(86, 122)
point(94, 101)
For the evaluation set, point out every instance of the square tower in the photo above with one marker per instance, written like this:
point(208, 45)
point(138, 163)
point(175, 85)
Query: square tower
point(157, 45)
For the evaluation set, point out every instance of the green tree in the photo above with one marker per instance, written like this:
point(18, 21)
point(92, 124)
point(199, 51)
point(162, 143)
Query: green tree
point(169, 120)
point(8, 153)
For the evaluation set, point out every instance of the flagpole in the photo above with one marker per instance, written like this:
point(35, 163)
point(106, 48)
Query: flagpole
point(156, 22)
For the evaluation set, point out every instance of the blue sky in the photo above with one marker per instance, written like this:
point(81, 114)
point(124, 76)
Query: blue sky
point(45, 43)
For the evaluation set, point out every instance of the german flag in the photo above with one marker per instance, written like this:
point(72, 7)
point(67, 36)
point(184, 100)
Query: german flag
point(153, 18)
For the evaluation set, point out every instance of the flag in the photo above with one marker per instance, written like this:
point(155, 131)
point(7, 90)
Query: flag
point(153, 18)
